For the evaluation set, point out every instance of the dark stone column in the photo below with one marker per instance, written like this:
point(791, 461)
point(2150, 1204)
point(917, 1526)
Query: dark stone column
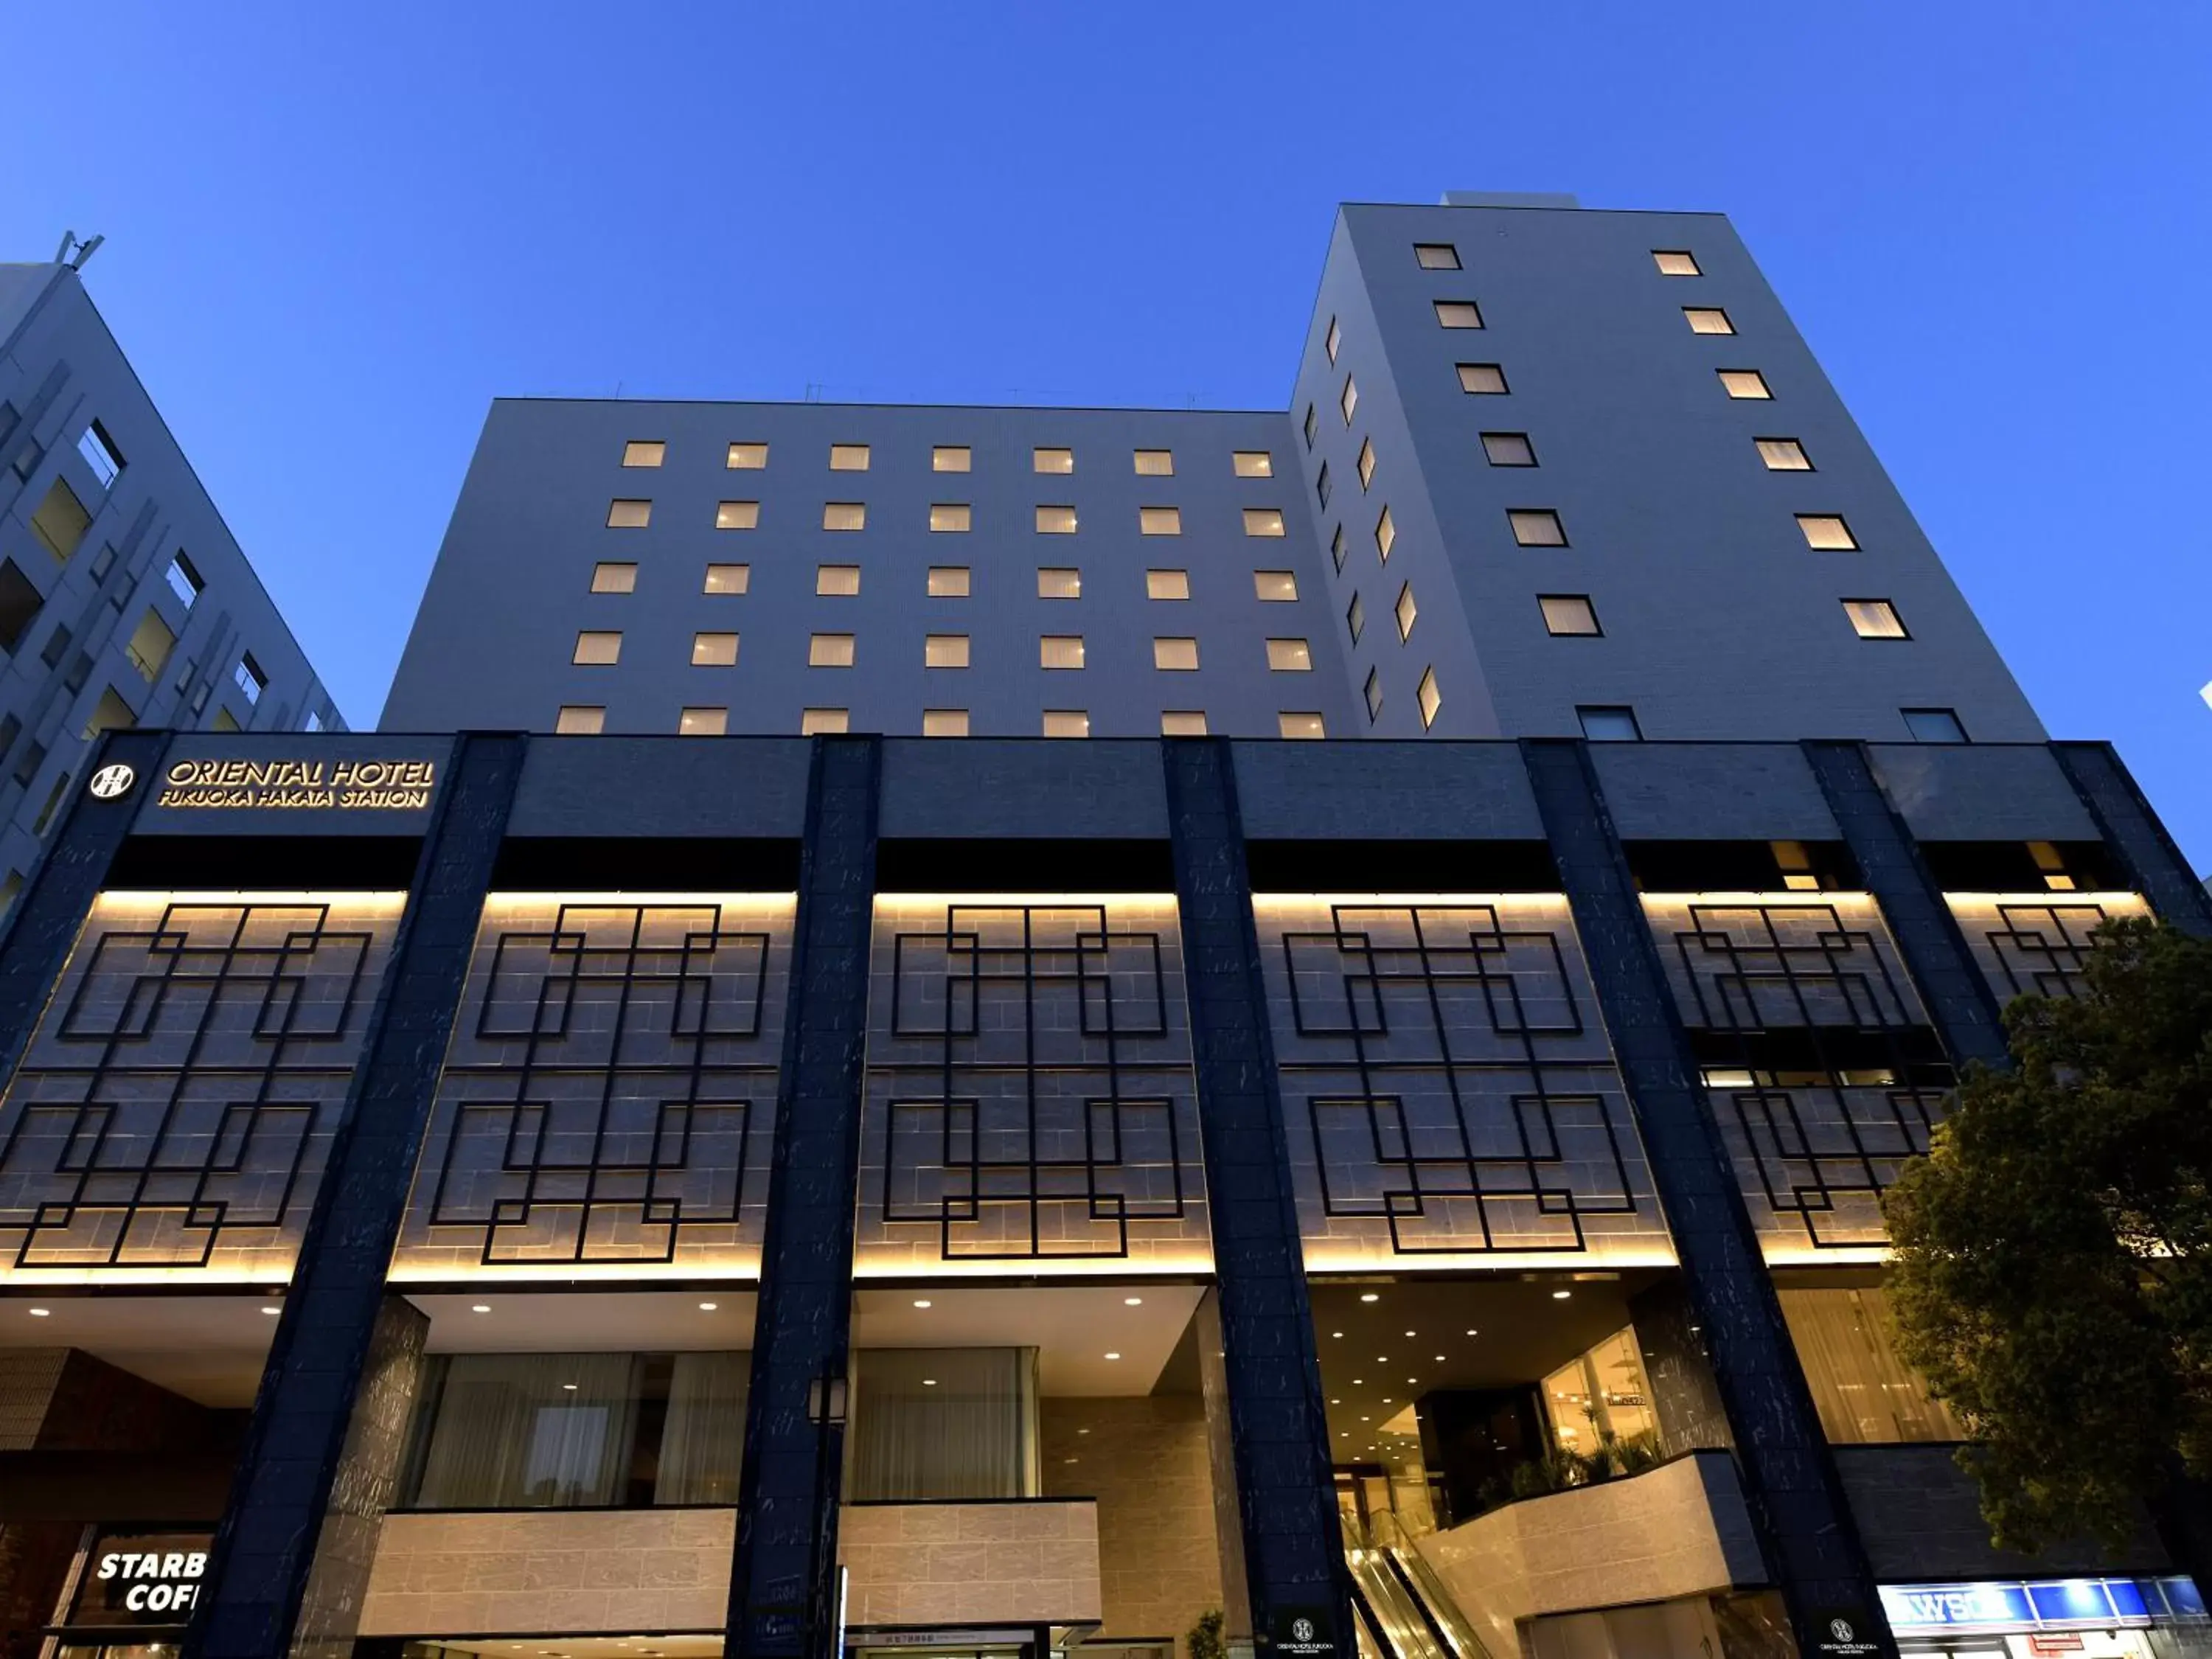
point(1278, 1429)
point(783, 1583)
point(2153, 865)
point(1958, 999)
point(1796, 1498)
point(334, 1321)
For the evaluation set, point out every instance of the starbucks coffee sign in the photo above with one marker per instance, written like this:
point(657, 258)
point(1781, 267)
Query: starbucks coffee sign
point(139, 1579)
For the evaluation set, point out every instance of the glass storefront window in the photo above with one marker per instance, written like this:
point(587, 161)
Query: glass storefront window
point(1600, 1397)
point(943, 1423)
point(1865, 1393)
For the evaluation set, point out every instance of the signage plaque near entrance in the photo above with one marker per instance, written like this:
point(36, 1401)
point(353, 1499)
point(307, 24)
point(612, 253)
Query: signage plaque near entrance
point(1304, 1634)
point(1843, 1633)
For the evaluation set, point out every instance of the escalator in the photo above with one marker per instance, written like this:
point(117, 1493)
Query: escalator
point(1405, 1611)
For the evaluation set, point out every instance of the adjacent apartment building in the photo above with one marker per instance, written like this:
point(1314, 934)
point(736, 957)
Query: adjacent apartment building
point(992, 1031)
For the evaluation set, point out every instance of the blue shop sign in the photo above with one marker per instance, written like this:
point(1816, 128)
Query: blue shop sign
point(2040, 1604)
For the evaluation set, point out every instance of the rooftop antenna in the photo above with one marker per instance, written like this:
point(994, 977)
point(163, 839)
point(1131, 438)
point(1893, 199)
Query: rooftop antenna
point(84, 250)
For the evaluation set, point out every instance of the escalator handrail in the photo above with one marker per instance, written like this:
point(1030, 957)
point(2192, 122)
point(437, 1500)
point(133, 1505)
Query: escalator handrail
point(1446, 1641)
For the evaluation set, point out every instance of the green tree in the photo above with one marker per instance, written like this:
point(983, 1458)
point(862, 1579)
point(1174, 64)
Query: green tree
point(2053, 1273)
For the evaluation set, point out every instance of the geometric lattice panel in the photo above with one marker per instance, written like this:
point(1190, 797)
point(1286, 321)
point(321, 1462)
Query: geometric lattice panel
point(175, 1107)
point(608, 1097)
point(2035, 944)
point(1448, 1088)
point(1819, 1064)
point(1030, 1099)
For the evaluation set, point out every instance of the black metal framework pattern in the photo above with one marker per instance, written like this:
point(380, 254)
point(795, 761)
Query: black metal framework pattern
point(176, 1103)
point(611, 1087)
point(1030, 1095)
point(1451, 1089)
point(2035, 947)
point(1820, 1063)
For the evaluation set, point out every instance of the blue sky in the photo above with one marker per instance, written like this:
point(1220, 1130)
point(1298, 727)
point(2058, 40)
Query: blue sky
point(336, 234)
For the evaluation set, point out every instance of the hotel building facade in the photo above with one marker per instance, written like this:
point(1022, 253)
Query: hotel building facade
point(1008, 1029)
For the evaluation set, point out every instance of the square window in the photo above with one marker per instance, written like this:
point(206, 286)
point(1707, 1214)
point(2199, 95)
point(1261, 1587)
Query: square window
point(703, 723)
point(614, 578)
point(1355, 617)
point(1536, 526)
point(1436, 256)
point(746, 458)
point(824, 722)
point(1481, 378)
point(644, 451)
point(848, 457)
point(727, 579)
point(1155, 463)
point(1429, 697)
point(1609, 724)
point(1508, 449)
point(1067, 723)
point(945, 651)
point(1406, 610)
point(1828, 533)
point(1332, 341)
point(596, 648)
point(1311, 424)
point(1159, 521)
point(1263, 521)
point(580, 720)
point(1934, 725)
point(1060, 651)
point(944, 722)
point(100, 454)
point(1568, 614)
point(1784, 455)
point(109, 714)
point(629, 515)
point(830, 651)
point(1059, 583)
point(150, 643)
point(1708, 319)
point(1184, 723)
point(713, 650)
point(837, 580)
point(1321, 483)
point(1181, 654)
point(1274, 586)
point(844, 516)
point(1875, 619)
point(950, 457)
point(1291, 723)
point(1348, 400)
point(1254, 464)
point(949, 516)
point(1458, 313)
point(1051, 460)
point(1366, 462)
point(1167, 584)
point(183, 581)
point(1289, 657)
point(736, 515)
point(1386, 534)
point(1055, 520)
point(1675, 262)
point(1336, 548)
point(1371, 692)
point(1744, 383)
point(948, 581)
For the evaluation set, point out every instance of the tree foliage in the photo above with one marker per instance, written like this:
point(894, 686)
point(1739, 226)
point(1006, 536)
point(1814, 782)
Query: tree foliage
point(2053, 1273)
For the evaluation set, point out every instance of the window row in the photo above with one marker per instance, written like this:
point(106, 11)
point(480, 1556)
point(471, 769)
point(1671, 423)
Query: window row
point(944, 516)
point(952, 581)
point(718, 648)
point(1617, 723)
point(951, 458)
point(589, 721)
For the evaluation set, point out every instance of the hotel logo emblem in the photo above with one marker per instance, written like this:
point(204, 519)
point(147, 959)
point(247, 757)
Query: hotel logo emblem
point(112, 783)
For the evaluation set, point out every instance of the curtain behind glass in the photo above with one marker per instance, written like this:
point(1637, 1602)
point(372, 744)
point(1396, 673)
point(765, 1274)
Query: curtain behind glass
point(703, 1445)
point(943, 1423)
point(532, 1431)
point(1865, 1393)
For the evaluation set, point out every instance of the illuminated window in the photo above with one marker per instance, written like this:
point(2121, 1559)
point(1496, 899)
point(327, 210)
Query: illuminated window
point(1708, 319)
point(1934, 725)
point(1334, 340)
point(1254, 464)
point(1159, 520)
point(944, 722)
point(1263, 521)
point(837, 580)
point(1784, 455)
point(945, 651)
point(1568, 613)
point(1875, 619)
point(713, 650)
point(1060, 651)
point(1155, 463)
point(1184, 723)
point(830, 651)
point(746, 458)
point(61, 520)
point(100, 454)
point(703, 723)
point(577, 719)
point(1436, 256)
point(149, 645)
point(1322, 483)
point(1386, 534)
point(736, 515)
point(596, 649)
point(1348, 400)
point(1059, 584)
point(728, 579)
point(1336, 548)
point(1167, 584)
point(949, 516)
point(1744, 383)
point(1372, 692)
point(1480, 378)
point(1355, 617)
point(614, 579)
point(1051, 460)
point(948, 581)
point(1055, 520)
point(949, 457)
point(824, 722)
point(1602, 723)
point(629, 516)
point(1508, 449)
point(844, 516)
point(1180, 655)
point(1294, 724)
point(1458, 313)
point(1536, 526)
point(1826, 534)
point(1406, 610)
point(848, 457)
point(1289, 656)
point(1366, 462)
point(1067, 723)
point(1311, 424)
point(1429, 697)
point(1675, 264)
point(1274, 586)
point(644, 451)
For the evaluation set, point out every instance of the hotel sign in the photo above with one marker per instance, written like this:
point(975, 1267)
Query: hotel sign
point(293, 784)
point(337, 783)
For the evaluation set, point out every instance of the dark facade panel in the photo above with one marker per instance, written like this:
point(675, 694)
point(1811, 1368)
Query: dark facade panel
point(1385, 792)
point(1016, 789)
point(1711, 791)
point(586, 789)
point(1981, 792)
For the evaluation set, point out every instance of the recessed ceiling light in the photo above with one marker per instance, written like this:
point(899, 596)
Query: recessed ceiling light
point(1132, 1302)
point(708, 1307)
point(1414, 1379)
point(1409, 1333)
point(1113, 1356)
point(1382, 1358)
point(1336, 1332)
point(928, 1382)
point(1356, 1380)
point(272, 1310)
point(1470, 1333)
point(1067, 1460)
point(1368, 1296)
point(922, 1301)
point(1561, 1296)
point(1082, 1431)
point(42, 1313)
point(1367, 1420)
point(480, 1308)
point(1440, 1359)
point(1388, 1400)
point(1336, 1403)
point(570, 1386)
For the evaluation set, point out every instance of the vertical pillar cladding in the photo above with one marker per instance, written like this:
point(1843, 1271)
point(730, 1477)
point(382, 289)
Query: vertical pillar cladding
point(1294, 1557)
point(2153, 863)
point(339, 1356)
point(1807, 1531)
point(783, 1580)
point(1956, 994)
